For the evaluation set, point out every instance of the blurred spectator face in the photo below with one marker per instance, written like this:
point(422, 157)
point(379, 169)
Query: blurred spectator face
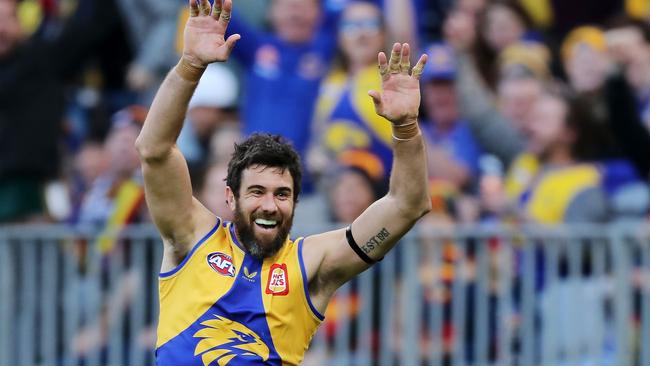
point(120, 149)
point(638, 71)
point(472, 7)
point(441, 103)
point(623, 43)
point(628, 46)
point(350, 196)
point(361, 34)
point(295, 21)
point(517, 97)
point(548, 129)
point(91, 162)
point(587, 68)
point(204, 120)
point(10, 32)
point(503, 27)
point(222, 142)
point(213, 193)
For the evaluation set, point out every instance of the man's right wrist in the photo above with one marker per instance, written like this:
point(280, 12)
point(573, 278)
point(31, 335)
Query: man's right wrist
point(188, 71)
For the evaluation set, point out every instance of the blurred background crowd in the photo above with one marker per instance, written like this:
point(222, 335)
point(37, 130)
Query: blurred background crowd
point(534, 111)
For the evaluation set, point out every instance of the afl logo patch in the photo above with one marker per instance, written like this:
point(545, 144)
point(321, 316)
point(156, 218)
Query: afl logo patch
point(278, 283)
point(221, 263)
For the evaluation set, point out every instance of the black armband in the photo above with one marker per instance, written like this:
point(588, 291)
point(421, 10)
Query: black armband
point(355, 247)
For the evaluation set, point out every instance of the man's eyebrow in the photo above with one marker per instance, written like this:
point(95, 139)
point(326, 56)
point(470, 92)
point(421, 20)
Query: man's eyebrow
point(255, 186)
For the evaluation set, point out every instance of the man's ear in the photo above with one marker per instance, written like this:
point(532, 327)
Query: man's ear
point(230, 198)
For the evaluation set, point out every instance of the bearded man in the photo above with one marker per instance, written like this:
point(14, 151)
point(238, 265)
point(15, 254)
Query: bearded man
point(242, 292)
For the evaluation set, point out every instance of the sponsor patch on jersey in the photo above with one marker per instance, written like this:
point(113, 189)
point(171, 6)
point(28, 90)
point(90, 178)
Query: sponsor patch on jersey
point(221, 263)
point(278, 283)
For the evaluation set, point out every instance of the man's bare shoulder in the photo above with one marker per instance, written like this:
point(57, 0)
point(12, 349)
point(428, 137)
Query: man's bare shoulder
point(200, 222)
point(315, 248)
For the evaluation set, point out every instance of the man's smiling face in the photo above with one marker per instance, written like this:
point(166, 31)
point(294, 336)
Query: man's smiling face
point(264, 209)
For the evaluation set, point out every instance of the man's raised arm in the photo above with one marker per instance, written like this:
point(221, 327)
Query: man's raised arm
point(333, 258)
point(179, 217)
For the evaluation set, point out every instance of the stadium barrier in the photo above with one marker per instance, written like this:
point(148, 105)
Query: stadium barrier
point(446, 296)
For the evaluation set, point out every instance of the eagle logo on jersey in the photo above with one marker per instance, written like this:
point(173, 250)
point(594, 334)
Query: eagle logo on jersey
point(224, 340)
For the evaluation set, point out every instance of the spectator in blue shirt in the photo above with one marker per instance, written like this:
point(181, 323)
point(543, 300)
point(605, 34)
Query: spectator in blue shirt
point(453, 152)
point(284, 68)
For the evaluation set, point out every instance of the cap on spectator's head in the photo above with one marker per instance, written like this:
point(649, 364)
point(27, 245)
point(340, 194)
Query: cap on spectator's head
point(363, 160)
point(217, 88)
point(590, 36)
point(530, 57)
point(441, 64)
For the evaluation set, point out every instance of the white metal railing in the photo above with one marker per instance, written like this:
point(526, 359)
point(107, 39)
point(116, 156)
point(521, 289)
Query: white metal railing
point(459, 296)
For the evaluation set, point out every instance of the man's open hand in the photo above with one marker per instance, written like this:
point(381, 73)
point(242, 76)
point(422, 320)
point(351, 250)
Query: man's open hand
point(203, 39)
point(399, 100)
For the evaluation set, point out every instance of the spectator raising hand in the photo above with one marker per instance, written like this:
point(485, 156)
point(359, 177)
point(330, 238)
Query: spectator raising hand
point(459, 30)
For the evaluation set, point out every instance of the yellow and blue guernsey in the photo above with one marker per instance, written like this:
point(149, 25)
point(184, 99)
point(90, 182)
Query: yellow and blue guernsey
point(346, 119)
point(221, 306)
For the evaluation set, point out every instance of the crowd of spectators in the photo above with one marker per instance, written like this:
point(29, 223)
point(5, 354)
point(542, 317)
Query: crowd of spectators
point(532, 111)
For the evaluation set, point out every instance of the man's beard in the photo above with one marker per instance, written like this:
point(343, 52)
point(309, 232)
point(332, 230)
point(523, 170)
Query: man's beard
point(256, 247)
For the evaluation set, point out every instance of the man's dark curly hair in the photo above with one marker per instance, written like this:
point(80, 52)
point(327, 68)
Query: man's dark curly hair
point(264, 149)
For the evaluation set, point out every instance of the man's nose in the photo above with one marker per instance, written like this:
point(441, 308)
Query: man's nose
point(268, 203)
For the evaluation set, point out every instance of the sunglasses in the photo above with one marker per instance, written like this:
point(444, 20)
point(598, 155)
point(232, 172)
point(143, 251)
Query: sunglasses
point(354, 27)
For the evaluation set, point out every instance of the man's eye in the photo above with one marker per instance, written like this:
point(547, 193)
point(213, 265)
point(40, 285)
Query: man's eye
point(283, 195)
point(256, 192)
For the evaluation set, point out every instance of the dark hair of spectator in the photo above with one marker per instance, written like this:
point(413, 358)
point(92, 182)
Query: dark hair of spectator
point(268, 150)
point(592, 141)
point(485, 57)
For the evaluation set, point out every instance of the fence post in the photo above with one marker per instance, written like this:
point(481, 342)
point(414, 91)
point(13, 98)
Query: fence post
point(527, 336)
point(7, 298)
point(411, 301)
point(622, 297)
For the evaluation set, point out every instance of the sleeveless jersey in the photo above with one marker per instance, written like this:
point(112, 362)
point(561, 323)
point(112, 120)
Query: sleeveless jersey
point(546, 195)
point(347, 119)
point(221, 306)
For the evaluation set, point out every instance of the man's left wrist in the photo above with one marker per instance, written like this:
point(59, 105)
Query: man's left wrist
point(406, 130)
point(405, 121)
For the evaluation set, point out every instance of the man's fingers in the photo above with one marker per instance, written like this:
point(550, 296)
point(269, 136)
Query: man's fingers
point(226, 12)
point(395, 57)
point(383, 64)
point(376, 99)
point(205, 7)
point(231, 41)
point(419, 67)
point(194, 8)
point(216, 9)
point(405, 64)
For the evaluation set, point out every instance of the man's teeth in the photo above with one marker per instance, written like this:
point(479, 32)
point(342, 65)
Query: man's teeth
point(266, 222)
